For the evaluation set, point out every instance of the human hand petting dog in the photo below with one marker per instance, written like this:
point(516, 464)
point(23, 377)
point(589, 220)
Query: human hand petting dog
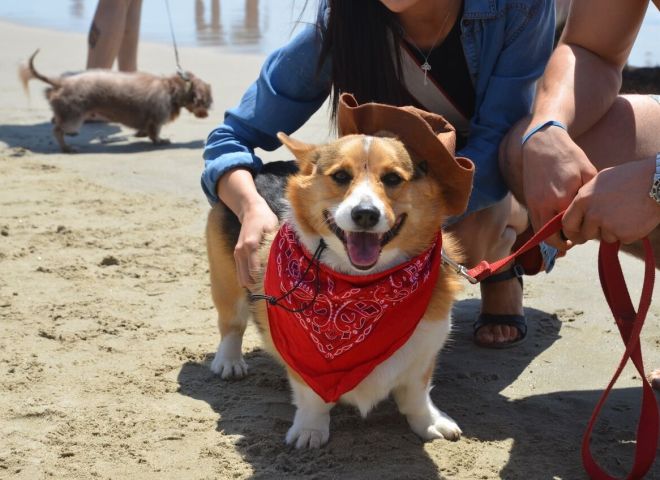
point(237, 190)
point(257, 220)
point(554, 170)
point(614, 205)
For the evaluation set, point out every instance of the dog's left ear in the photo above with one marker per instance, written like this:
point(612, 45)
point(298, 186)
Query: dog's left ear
point(305, 153)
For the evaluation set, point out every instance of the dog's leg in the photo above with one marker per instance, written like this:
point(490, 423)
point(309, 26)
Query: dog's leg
point(311, 424)
point(229, 299)
point(228, 361)
point(414, 401)
point(153, 131)
point(59, 136)
point(67, 119)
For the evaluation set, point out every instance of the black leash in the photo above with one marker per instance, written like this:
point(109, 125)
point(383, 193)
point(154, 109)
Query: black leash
point(179, 70)
point(275, 300)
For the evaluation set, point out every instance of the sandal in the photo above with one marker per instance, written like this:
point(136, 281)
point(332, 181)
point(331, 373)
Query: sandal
point(512, 320)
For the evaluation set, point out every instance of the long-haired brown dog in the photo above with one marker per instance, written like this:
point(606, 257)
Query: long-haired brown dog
point(138, 100)
point(376, 200)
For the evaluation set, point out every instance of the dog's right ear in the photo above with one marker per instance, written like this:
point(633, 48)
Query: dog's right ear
point(305, 153)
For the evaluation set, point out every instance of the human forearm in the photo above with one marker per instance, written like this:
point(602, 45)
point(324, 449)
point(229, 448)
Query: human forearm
point(237, 190)
point(582, 78)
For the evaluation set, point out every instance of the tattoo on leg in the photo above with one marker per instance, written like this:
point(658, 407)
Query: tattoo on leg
point(94, 34)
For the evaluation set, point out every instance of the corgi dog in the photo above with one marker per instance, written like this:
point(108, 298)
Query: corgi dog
point(360, 214)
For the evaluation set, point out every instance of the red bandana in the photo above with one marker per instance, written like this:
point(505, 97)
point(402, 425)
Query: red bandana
point(343, 326)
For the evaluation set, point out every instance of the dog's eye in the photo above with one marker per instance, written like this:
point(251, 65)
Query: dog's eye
point(391, 179)
point(341, 177)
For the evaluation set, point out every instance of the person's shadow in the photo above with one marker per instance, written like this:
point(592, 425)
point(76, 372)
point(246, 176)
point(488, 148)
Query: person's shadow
point(546, 429)
point(97, 137)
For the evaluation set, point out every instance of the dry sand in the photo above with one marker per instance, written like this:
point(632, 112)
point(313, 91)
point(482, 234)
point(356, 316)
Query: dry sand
point(107, 326)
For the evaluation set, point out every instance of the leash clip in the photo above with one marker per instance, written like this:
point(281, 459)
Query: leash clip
point(182, 74)
point(458, 268)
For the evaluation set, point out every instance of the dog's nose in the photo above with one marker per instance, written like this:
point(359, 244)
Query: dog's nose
point(365, 215)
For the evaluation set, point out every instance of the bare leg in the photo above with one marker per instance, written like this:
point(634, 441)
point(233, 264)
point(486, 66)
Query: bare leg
point(628, 132)
point(106, 33)
point(489, 235)
point(127, 59)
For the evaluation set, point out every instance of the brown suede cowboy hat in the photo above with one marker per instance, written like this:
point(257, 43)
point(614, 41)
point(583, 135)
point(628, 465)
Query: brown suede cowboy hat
point(429, 136)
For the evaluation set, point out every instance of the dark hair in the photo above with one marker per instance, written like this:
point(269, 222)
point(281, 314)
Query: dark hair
point(357, 41)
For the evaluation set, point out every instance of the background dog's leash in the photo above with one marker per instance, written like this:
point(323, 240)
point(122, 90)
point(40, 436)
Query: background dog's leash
point(629, 323)
point(184, 76)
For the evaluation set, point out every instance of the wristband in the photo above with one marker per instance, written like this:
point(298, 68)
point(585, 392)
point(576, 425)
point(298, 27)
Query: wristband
point(549, 123)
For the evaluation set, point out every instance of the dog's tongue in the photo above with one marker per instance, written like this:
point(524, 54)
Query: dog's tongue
point(363, 248)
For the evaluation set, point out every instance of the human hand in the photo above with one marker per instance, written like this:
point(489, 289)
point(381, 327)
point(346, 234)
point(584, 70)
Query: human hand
point(554, 169)
point(614, 206)
point(257, 219)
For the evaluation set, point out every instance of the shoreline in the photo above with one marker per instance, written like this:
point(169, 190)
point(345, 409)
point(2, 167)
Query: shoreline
point(108, 326)
point(646, 52)
point(165, 42)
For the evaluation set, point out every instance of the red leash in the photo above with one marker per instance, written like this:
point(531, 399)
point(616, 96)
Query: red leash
point(630, 324)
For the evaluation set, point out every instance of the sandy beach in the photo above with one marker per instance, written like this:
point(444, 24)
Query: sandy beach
point(107, 326)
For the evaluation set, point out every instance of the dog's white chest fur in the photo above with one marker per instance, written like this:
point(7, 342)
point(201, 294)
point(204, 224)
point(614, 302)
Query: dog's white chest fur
point(411, 359)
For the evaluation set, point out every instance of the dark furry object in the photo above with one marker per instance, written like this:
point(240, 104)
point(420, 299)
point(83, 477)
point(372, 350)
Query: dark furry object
point(139, 100)
point(643, 80)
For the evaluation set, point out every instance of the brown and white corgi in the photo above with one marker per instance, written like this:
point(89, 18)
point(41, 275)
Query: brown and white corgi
point(374, 204)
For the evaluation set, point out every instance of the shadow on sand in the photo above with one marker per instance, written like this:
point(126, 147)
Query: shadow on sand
point(93, 138)
point(545, 430)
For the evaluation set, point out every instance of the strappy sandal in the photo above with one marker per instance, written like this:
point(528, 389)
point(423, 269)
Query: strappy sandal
point(512, 320)
point(540, 259)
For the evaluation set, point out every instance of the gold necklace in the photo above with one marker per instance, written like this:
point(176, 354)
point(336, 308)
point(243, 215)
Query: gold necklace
point(426, 66)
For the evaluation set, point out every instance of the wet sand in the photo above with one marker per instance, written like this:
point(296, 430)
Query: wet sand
point(107, 325)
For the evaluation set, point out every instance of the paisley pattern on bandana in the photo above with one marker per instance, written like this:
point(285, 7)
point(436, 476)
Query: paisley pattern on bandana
point(343, 326)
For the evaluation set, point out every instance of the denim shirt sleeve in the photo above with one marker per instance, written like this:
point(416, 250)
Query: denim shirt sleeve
point(507, 97)
point(287, 92)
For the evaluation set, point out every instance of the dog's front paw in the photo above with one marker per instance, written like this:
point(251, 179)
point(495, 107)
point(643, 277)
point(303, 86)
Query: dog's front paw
point(434, 424)
point(229, 368)
point(228, 361)
point(312, 433)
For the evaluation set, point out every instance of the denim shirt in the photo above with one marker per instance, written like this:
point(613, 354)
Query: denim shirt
point(506, 44)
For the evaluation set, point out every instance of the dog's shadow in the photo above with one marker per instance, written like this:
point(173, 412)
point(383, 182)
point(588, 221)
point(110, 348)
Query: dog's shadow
point(95, 137)
point(545, 430)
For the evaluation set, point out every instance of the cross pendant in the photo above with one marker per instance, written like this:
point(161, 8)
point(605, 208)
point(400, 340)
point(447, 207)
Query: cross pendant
point(426, 67)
